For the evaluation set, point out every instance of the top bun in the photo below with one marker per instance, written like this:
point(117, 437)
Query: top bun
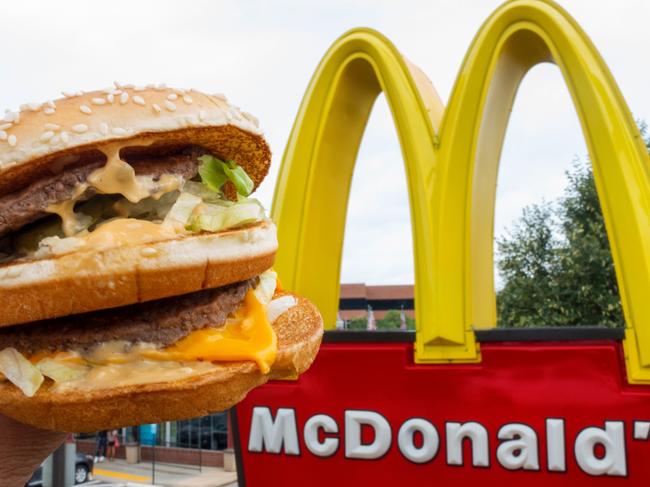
point(41, 137)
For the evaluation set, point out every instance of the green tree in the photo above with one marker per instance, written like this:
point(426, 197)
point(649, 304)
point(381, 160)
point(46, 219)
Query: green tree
point(556, 264)
point(357, 324)
point(527, 262)
point(391, 321)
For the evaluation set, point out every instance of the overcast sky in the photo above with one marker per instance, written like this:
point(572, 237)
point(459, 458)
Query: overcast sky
point(262, 55)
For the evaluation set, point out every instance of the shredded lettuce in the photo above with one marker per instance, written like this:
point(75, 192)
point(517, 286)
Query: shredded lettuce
point(215, 172)
point(59, 371)
point(182, 209)
point(205, 193)
point(20, 371)
point(266, 287)
point(213, 218)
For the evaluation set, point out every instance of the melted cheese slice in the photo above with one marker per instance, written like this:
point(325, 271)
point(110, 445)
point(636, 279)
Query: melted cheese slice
point(247, 336)
point(128, 231)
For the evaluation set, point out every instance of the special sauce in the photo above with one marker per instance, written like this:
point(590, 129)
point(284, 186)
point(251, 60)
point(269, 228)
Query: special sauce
point(115, 177)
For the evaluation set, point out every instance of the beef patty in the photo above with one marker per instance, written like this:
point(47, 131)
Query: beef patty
point(162, 322)
point(28, 204)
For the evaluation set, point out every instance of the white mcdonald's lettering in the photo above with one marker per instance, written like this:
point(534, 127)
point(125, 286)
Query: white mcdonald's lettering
point(269, 435)
point(477, 434)
point(354, 448)
point(406, 440)
point(598, 451)
point(328, 446)
point(612, 439)
point(520, 451)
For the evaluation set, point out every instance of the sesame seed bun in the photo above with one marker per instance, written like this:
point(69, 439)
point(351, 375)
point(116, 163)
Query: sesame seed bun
point(42, 137)
point(299, 332)
point(84, 281)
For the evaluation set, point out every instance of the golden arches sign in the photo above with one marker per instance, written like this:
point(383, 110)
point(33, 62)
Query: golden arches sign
point(451, 158)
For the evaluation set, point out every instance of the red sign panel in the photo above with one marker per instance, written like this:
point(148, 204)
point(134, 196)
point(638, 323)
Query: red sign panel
point(532, 412)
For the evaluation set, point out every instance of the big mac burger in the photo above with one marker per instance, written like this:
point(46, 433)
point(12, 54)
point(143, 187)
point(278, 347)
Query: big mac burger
point(136, 281)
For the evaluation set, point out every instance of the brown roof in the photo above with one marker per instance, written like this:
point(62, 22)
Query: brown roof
point(402, 291)
point(354, 290)
point(359, 290)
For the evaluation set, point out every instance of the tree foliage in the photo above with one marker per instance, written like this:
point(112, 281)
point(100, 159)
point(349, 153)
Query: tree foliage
point(390, 321)
point(556, 263)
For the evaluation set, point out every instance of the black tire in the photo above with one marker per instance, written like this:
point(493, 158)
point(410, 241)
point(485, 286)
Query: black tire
point(80, 473)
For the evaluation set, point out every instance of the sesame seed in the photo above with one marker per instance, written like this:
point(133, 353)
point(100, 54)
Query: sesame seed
point(110, 98)
point(86, 109)
point(119, 131)
point(139, 100)
point(202, 115)
point(50, 104)
point(139, 88)
point(33, 107)
point(5, 126)
point(80, 128)
point(79, 93)
point(67, 94)
point(187, 99)
point(49, 111)
point(12, 140)
point(180, 91)
point(116, 92)
point(156, 108)
point(108, 89)
point(9, 116)
point(52, 126)
point(172, 96)
point(124, 97)
point(130, 86)
point(148, 251)
point(45, 136)
point(3, 135)
point(117, 85)
point(98, 101)
point(65, 137)
point(55, 139)
point(103, 128)
point(17, 118)
point(170, 106)
point(161, 86)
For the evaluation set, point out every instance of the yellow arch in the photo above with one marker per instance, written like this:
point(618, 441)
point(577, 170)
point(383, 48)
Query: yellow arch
point(311, 195)
point(451, 173)
point(516, 37)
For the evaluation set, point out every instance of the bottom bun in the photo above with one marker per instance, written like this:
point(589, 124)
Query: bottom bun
point(299, 331)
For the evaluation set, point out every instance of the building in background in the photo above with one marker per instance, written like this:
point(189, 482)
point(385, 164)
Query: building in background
point(355, 298)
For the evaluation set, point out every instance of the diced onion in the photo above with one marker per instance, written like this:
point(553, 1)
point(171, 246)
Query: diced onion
point(20, 371)
point(279, 306)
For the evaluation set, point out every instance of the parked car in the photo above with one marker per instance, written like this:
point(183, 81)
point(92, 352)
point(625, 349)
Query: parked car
point(83, 471)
